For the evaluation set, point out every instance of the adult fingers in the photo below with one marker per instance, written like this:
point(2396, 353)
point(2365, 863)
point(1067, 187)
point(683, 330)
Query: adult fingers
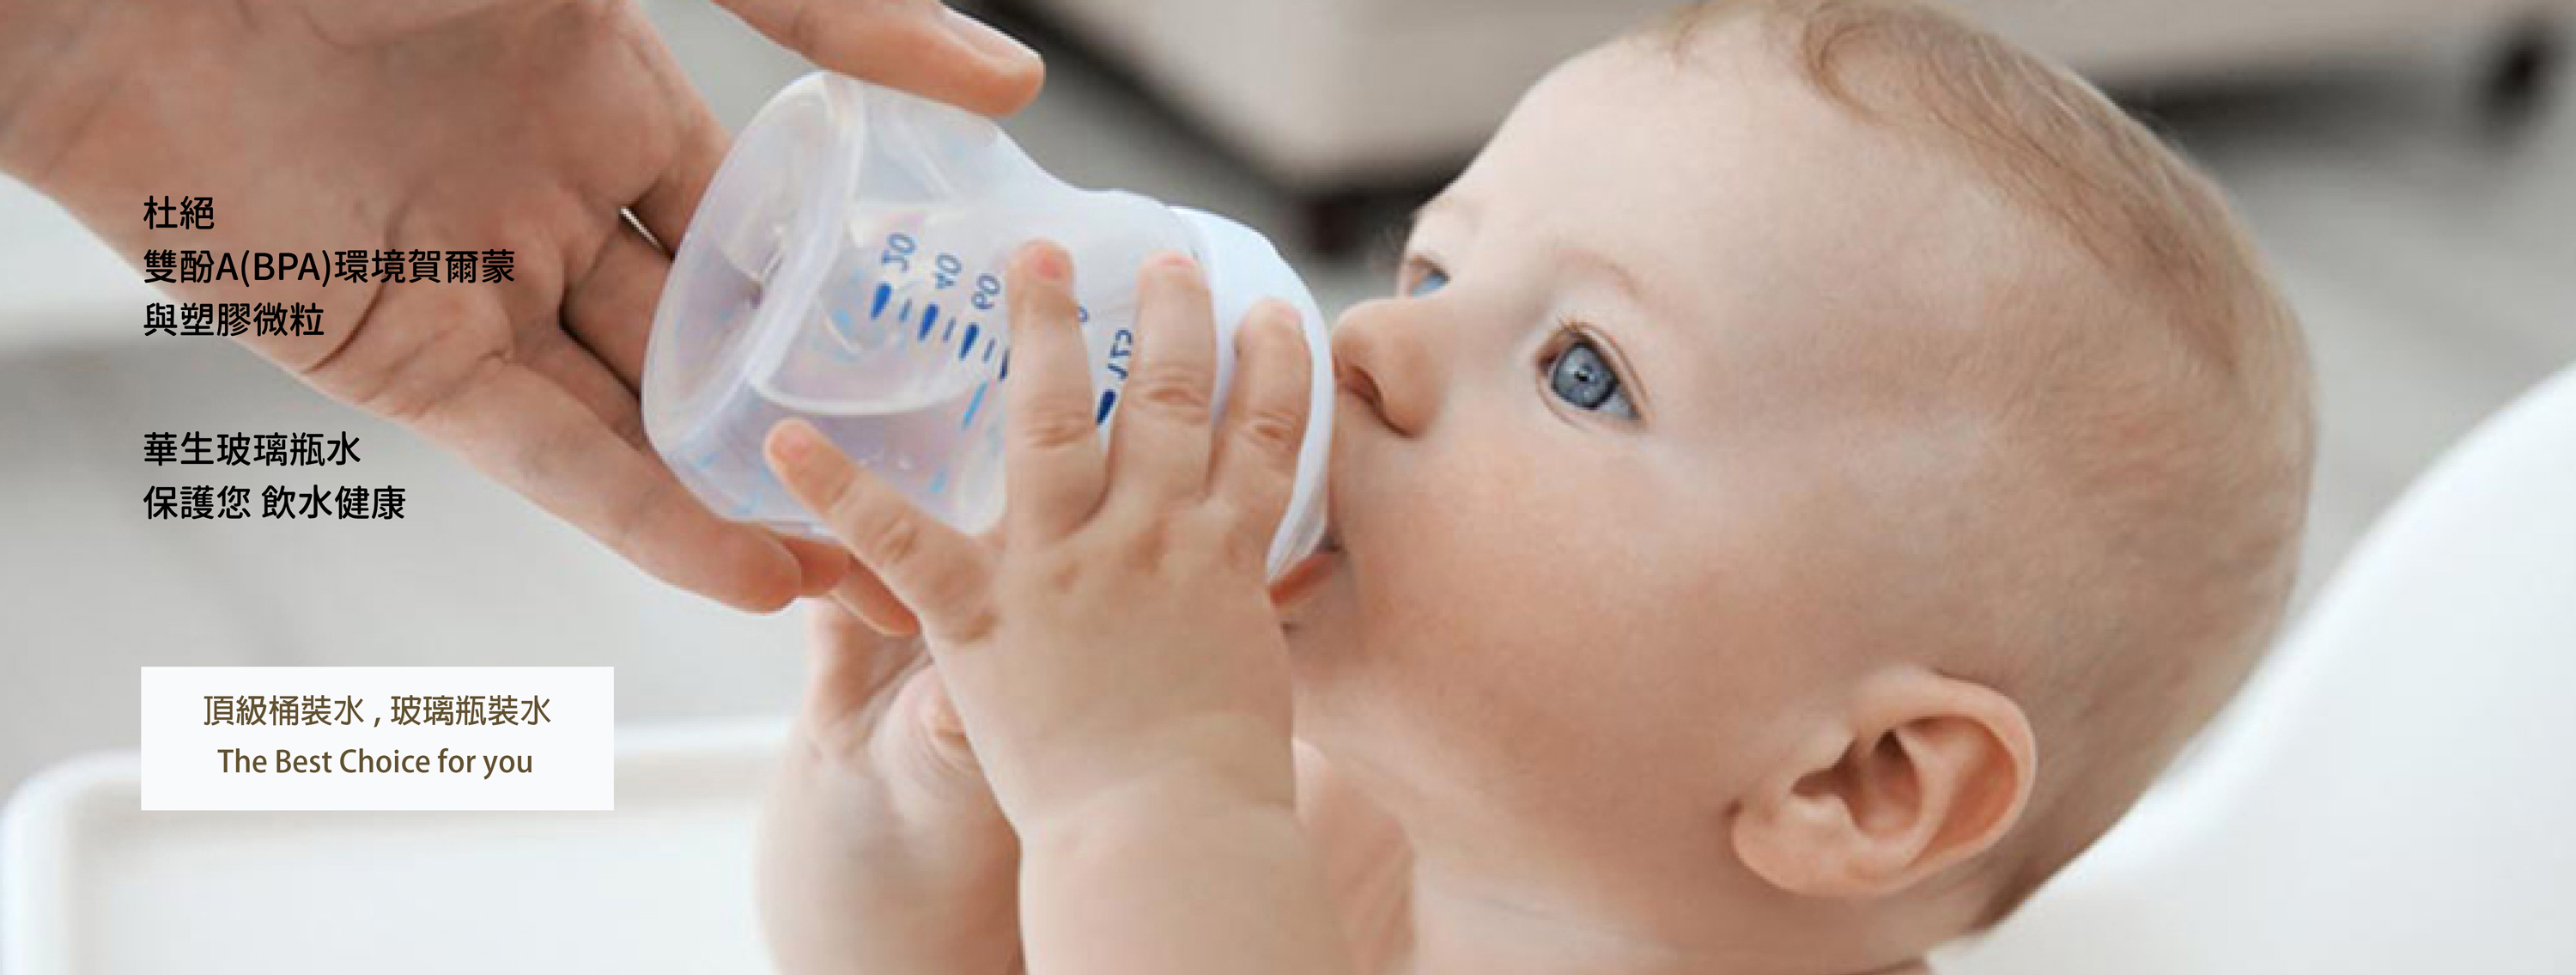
point(1265, 416)
point(610, 308)
point(1052, 471)
point(532, 432)
point(919, 46)
point(667, 205)
point(861, 592)
point(937, 573)
point(1158, 449)
point(610, 313)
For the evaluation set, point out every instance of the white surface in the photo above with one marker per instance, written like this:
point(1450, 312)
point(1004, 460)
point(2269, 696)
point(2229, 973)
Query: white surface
point(55, 276)
point(661, 885)
point(2393, 794)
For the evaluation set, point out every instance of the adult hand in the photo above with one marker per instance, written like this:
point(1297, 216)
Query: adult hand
point(439, 125)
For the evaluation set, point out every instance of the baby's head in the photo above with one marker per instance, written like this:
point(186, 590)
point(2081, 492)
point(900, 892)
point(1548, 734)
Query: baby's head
point(1820, 464)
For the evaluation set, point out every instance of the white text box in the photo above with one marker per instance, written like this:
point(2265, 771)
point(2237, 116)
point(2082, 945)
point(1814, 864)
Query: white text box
point(379, 738)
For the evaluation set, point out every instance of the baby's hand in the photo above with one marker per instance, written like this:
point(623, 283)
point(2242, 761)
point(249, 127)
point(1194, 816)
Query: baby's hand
point(1113, 650)
point(1116, 637)
point(881, 849)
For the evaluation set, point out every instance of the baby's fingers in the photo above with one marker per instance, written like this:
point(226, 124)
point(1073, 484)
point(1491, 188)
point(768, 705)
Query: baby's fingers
point(1265, 417)
point(937, 573)
point(862, 593)
point(853, 665)
point(1158, 452)
point(1052, 471)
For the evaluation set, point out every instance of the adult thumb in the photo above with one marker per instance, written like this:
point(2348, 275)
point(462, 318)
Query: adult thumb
point(919, 46)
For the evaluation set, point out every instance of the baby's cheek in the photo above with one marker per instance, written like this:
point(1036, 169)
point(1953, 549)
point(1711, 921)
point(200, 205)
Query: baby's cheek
point(1510, 609)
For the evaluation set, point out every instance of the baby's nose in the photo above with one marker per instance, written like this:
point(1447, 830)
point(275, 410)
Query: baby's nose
point(1382, 356)
point(1355, 381)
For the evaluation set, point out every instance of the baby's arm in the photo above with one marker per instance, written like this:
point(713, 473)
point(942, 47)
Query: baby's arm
point(1361, 860)
point(1183, 876)
point(881, 849)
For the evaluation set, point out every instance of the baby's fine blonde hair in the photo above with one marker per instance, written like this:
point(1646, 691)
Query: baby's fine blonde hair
point(2159, 410)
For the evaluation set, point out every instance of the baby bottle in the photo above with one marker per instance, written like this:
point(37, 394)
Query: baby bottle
point(845, 267)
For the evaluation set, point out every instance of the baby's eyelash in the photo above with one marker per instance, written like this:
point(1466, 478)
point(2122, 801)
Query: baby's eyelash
point(1399, 237)
point(1416, 270)
point(1414, 264)
point(1569, 333)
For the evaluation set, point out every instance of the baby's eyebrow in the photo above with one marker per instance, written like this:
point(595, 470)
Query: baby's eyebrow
point(1588, 263)
point(1446, 204)
point(1414, 219)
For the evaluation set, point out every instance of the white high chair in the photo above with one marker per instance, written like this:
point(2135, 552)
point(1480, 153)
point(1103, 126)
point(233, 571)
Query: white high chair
point(2396, 791)
point(2394, 794)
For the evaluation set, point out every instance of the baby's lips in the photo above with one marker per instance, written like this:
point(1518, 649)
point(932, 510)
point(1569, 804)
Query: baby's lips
point(1303, 577)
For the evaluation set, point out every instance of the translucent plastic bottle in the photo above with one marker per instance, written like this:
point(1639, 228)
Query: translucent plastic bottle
point(846, 267)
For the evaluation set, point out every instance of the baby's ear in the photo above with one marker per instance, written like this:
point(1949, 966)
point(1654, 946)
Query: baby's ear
point(1923, 772)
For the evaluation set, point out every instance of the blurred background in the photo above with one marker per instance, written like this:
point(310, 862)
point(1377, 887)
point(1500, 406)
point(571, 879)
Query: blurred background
point(2407, 165)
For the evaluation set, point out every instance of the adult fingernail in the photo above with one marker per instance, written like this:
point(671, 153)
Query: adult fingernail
point(987, 41)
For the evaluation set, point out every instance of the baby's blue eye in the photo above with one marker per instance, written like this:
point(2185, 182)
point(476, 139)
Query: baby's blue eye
point(1580, 376)
point(1432, 279)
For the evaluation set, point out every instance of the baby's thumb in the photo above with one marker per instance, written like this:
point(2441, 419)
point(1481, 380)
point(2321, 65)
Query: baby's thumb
point(933, 738)
point(939, 711)
point(919, 46)
point(852, 663)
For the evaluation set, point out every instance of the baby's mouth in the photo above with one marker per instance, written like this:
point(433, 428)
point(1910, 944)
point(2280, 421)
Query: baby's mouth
point(1306, 575)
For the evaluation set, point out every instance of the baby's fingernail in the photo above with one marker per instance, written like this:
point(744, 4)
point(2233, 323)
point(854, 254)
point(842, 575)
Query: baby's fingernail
point(943, 710)
point(1274, 314)
point(1047, 263)
point(988, 41)
point(794, 441)
point(1173, 259)
point(944, 719)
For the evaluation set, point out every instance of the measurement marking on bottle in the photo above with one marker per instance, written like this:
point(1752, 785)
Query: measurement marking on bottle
point(930, 316)
point(950, 333)
point(988, 349)
point(1006, 368)
point(906, 315)
point(973, 404)
point(884, 291)
point(1108, 398)
point(969, 344)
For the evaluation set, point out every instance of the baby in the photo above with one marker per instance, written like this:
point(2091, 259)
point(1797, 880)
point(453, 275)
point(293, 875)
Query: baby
point(1819, 465)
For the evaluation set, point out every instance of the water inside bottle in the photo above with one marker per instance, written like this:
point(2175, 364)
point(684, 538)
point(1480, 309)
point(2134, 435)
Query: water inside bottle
point(897, 364)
